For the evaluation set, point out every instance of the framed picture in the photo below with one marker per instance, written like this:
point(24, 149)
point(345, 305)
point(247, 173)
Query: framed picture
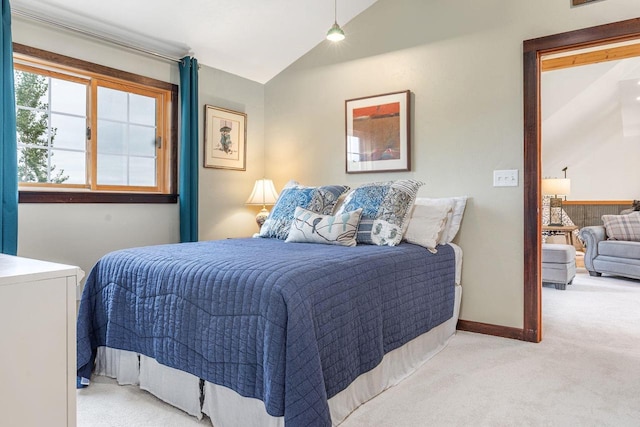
point(225, 138)
point(378, 133)
point(581, 2)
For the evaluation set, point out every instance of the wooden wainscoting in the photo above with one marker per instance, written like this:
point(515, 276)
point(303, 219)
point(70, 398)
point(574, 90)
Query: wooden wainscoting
point(584, 213)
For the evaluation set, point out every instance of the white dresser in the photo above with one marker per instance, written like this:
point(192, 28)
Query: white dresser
point(37, 342)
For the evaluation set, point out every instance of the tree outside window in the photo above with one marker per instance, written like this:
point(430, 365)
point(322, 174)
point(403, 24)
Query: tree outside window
point(35, 134)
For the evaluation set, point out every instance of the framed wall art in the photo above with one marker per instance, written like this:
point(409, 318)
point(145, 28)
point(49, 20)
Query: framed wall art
point(225, 138)
point(581, 2)
point(378, 133)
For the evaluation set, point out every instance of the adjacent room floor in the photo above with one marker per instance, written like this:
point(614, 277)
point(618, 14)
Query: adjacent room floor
point(585, 372)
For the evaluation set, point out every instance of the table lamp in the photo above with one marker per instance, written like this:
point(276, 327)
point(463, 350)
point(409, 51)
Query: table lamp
point(263, 194)
point(556, 187)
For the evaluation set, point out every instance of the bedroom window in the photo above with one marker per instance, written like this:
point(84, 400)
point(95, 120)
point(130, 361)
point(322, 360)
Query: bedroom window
point(88, 133)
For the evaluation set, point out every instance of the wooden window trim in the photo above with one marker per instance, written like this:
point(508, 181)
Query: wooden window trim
point(94, 197)
point(168, 165)
point(67, 62)
point(159, 96)
point(51, 73)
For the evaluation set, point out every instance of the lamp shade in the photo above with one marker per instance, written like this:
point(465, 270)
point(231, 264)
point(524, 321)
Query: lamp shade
point(556, 186)
point(264, 193)
point(335, 33)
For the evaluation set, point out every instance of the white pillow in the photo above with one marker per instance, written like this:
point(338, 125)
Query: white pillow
point(428, 222)
point(454, 218)
point(312, 227)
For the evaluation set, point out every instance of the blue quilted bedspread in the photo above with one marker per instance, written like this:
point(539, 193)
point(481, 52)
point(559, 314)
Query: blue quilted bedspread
point(291, 324)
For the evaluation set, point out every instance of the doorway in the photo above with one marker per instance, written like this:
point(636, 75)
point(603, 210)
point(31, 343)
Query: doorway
point(533, 50)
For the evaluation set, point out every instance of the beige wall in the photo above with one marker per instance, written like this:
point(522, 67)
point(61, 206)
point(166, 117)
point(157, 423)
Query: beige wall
point(463, 63)
point(461, 60)
point(223, 192)
point(79, 234)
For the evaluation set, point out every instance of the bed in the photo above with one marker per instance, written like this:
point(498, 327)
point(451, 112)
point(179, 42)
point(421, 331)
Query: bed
point(341, 294)
point(261, 332)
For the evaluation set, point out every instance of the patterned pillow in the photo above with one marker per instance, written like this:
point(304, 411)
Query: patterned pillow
point(311, 227)
point(316, 199)
point(623, 227)
point(386, 208)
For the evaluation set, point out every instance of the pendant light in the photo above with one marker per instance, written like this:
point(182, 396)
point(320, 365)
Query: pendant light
point(335, 33)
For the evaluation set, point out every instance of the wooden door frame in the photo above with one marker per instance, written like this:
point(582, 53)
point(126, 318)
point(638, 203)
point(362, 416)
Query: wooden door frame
point(532, 51)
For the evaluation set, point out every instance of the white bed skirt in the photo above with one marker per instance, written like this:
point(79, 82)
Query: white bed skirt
point(226, 408)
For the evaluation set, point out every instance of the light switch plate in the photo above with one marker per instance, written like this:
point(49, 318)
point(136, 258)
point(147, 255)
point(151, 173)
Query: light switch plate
point(505, 178)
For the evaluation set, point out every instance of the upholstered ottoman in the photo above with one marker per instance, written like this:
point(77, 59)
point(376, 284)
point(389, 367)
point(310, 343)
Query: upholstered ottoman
point(558, 264)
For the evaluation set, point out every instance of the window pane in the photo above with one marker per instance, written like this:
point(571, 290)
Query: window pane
point(143, 110)
point(112, 137)
point(68, 132)
point(112, 170)
point(33, 164)
point(142, 171)
point(32, 127)
point(55, 166)
point(112, 104)
point(68, 167)
point(68, 97)
point(142, 141)
point(32, 90)
point(126, 139)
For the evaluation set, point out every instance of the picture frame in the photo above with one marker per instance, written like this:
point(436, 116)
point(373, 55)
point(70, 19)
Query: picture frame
point(225, 138)
point(575, 3)
point(378, 133)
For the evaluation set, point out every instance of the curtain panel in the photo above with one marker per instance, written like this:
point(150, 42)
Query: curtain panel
point(8, 142)
point(189, 166)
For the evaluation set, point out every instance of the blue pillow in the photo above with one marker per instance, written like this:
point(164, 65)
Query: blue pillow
point(320, 200)
point(386, 210)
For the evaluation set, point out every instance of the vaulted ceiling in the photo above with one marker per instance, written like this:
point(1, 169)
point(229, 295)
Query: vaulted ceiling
point(255, 39)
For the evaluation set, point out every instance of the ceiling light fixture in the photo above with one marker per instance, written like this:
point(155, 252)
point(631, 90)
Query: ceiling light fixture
point(335, 33)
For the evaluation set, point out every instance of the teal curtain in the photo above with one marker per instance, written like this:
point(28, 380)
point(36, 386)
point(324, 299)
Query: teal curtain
point(189, 165)
point(8, 143)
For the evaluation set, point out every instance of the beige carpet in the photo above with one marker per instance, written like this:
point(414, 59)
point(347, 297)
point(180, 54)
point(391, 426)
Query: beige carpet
point(585, 372)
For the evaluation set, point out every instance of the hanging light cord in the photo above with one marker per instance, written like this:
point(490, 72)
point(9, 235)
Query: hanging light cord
point(335, 33)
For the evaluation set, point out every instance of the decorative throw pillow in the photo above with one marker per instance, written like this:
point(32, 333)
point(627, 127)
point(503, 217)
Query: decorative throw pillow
point(623, 227)
point(454, 218)
point(310, 227)
point(386, 207)
point(316, 199)
point(428, 222)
